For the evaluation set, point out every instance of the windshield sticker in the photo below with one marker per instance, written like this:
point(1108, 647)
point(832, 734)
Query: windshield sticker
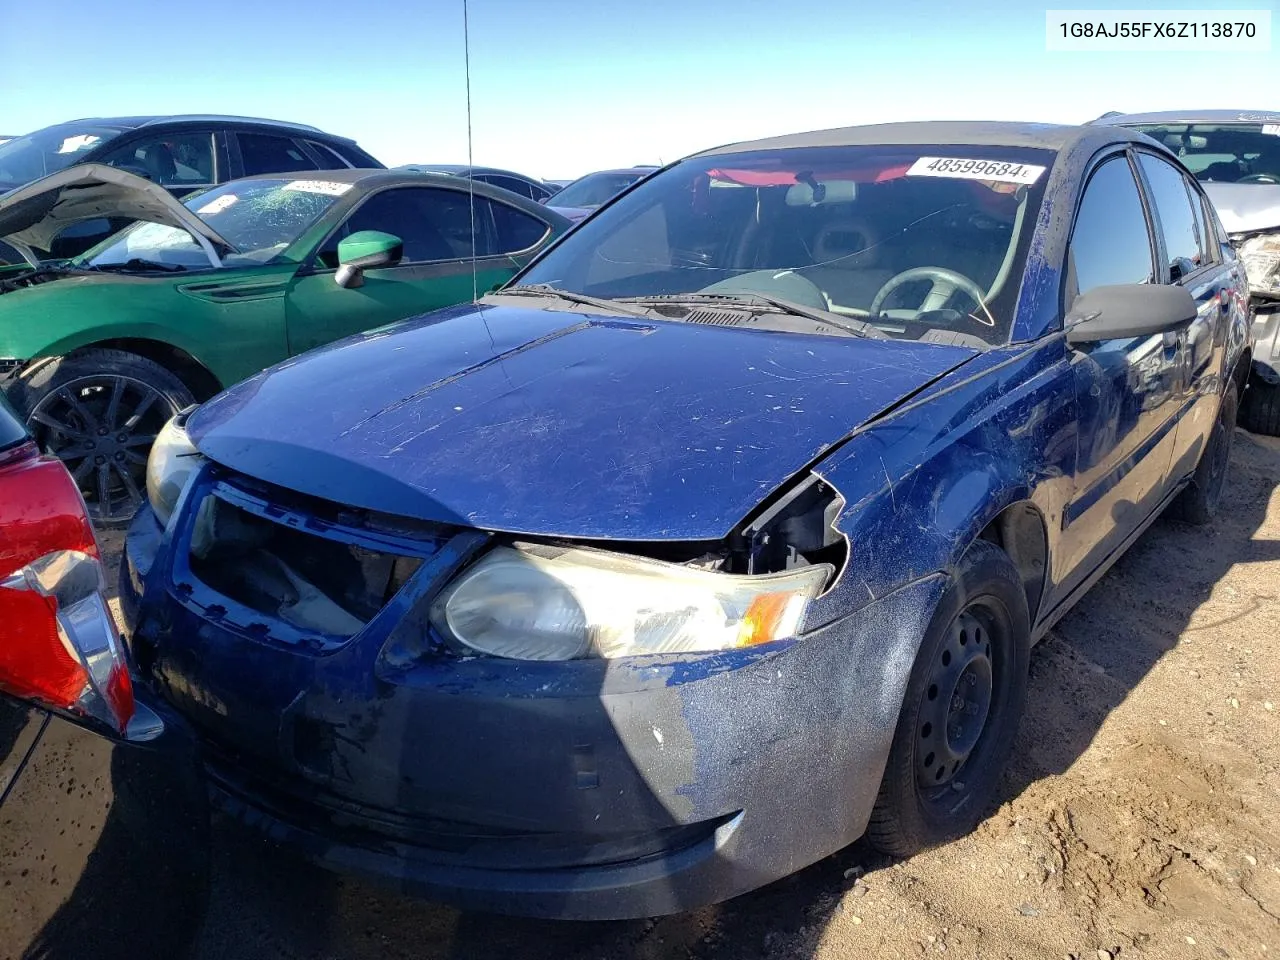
point(1271, 128)
point(218, 204)
point(76, 144)
point(996, 171)
point(327, 187)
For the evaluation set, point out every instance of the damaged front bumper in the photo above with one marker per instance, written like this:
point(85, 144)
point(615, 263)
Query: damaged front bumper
point(586, 789)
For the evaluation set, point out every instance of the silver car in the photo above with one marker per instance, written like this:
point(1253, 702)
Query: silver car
point(1235, 154)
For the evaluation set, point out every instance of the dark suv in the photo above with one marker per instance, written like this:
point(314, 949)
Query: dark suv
point(184, 153)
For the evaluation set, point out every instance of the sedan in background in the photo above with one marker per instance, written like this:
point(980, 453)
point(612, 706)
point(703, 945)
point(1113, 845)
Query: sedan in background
point(182, 153)
point(103, 809)
point(517, 183)
point(99, 351)
point(1235, 154)
point(583, 195)
point(717, 539)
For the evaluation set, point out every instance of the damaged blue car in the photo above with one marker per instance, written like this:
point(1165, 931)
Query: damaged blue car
point(715, 540)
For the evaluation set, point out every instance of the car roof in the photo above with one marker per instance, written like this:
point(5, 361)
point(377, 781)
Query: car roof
point(371, 178)
point(459, 169)
point(133, 123)
point(1045, 136)
point(1191, 116)
point(620, 170)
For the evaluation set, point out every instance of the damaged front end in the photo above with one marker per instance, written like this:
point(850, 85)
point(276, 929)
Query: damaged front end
point(349, 676)
point(1260, 255)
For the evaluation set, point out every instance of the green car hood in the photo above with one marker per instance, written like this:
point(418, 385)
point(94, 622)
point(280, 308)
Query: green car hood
point(31, 216)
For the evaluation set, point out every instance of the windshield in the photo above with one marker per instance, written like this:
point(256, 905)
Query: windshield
point(590, 191)
point(261, 218)
point(914, 239)
point(47, 151)
point(1223, 152)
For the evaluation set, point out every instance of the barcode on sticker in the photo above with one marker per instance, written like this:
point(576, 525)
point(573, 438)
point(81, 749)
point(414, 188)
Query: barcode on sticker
point(328, 187)
point(997, 171)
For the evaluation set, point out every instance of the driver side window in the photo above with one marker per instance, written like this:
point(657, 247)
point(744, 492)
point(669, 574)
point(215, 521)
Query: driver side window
point(173, 159)
point(1111, 242)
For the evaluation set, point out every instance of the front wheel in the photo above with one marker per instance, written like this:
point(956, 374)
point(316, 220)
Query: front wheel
point(1198, 502)
point(99, 412)
point(963, 703)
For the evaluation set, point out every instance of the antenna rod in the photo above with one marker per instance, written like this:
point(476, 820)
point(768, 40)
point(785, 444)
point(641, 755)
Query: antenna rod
point(471, 183)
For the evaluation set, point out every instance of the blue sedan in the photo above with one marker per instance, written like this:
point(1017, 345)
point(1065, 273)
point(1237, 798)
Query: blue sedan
point(717, 539)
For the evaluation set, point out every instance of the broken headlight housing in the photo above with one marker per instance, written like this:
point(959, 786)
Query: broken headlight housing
point(1261, 257)
point(545, 603)
point(170, 467)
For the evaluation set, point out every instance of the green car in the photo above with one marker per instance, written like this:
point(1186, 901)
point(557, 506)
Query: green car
point(99, 351)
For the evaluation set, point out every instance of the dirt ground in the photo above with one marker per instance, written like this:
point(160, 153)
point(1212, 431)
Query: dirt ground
point(1140, 818)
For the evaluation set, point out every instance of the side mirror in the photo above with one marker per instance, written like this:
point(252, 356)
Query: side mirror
point(366, 250)
point(1128, 310)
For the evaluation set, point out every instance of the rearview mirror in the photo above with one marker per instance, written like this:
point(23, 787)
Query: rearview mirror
point(1128, 310)
point(366, 250)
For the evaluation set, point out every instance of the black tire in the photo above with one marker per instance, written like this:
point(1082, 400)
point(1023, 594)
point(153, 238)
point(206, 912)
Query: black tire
point(1198, 503)
point(98, 411)
point(982, 614)
point(1260, 408)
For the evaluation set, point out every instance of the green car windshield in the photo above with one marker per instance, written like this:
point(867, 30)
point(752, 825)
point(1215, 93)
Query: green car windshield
point(260, 218)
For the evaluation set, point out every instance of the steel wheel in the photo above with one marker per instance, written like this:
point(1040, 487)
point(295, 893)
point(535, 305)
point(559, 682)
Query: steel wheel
point(102, 428)
point(957, 700)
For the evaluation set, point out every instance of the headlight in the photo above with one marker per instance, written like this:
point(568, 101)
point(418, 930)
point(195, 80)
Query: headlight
point(542, 603)
point(1261, 258)
point(172, 462)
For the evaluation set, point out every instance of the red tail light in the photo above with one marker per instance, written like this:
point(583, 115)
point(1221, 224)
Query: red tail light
point(58, 642)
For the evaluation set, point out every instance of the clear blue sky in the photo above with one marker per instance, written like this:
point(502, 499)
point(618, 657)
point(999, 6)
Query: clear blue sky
point(561, 87)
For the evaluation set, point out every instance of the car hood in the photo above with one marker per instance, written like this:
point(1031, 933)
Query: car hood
point(32, 215)
point(560, 423)
point(1246, 207)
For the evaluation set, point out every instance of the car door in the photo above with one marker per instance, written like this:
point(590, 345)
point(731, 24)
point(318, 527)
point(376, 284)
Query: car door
point(437, 269)
point(1196, 263)
point(1128, 390)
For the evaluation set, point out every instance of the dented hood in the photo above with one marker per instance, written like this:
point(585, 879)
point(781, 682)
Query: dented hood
point(560, 423)
point(31, 216)
point(1246, 207)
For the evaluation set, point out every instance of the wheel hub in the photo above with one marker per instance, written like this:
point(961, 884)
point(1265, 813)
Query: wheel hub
point(956, 702)
point(102, 427)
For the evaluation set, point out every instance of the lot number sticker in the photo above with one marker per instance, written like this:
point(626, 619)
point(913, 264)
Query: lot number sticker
point(218, 204)
point(327, 187)
point(1273, 129)
point(998, 171)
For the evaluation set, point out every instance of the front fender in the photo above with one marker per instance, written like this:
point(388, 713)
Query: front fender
point(924, 482)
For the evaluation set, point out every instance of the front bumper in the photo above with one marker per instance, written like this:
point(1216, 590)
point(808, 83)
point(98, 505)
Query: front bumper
point(586, 790)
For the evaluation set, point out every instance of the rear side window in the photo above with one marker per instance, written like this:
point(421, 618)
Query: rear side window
point(1182, 234)
point(264, 153)
point(1111, 243)
point(355, 156)
point(514, 229)
point(329, 157)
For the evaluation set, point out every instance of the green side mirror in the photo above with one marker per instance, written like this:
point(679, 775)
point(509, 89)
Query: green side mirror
point(366, 250)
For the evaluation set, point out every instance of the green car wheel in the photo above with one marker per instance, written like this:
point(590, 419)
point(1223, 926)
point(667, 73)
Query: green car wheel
point(99, 411)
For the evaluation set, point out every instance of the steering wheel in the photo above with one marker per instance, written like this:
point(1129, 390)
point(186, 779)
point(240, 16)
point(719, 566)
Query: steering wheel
point(1259, 178)
point(945, 283)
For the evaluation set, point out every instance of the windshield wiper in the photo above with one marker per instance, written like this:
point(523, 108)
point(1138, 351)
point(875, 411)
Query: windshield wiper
point(138, 264)
point(858, 328)
point(543, 290)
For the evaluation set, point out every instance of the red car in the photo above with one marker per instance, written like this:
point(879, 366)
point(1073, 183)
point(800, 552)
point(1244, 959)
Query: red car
point(103, 816)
